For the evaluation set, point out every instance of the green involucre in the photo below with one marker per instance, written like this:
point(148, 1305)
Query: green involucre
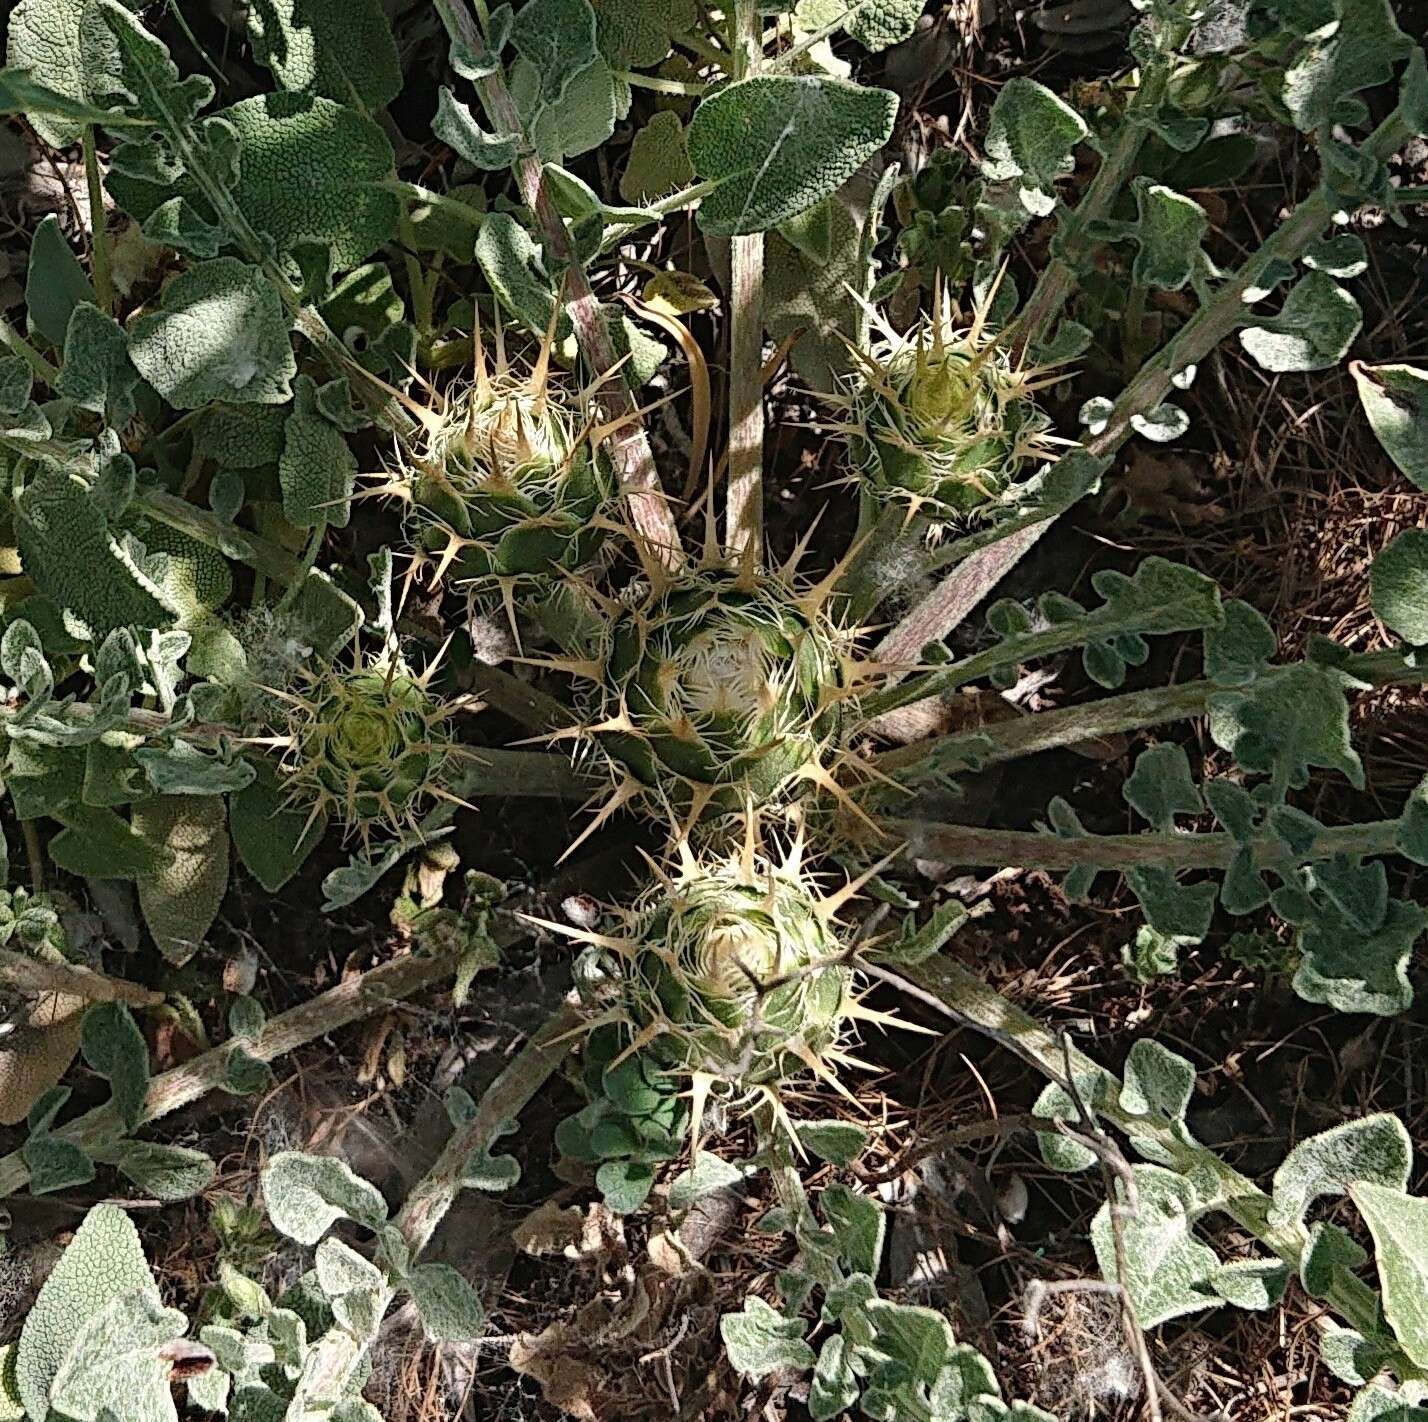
point(726, 682)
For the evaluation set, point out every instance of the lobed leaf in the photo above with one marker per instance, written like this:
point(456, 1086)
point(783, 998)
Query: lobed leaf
point(1395, 399)
point(338, 49)
point(307, 1194)
point(1399, 1225)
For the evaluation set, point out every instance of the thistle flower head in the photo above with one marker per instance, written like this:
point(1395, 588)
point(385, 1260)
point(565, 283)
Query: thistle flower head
point(367, 745)
point(942, 417)
point(506, 485)
point(723, 683)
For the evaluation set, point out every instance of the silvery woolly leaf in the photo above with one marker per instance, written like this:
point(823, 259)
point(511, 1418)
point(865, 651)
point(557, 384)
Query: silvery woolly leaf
point(1313, 330)
point(838, 1142)
point(919, 1338)
point(456, 126)
point(1162, 424)
point(1398, 580)
point(1395, 399)
point(450, 1309)
point(1376, 1149)
point(1357, 971)
point(1160, 786)
point(1238, 650)
point(708, 1173)
point(834, 1388)
point(760, 1340)
point(1255, 1284)
point(858, 1225)
point(167, 1172)
point(97, 373)
point(307, 1194)
point(1030, 137)
point(116, 1362)
point(114, 1047)
point(1329, 1251)
point(1380, 1403)
point(55, 1164)
point(341, 1270)
point(1399, 1225)
point(776, 144)
point(1157, 1082)
point(1168, 1270)
point(103, 1261)
point(1168, 231)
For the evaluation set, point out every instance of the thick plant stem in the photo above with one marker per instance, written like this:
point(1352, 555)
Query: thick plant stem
point(348, 1002)
point(940, 612)
point(969, 846)
point(101, 266)
point(502, 1102)
point(965, 998)
point(22, 973)
point(629, 445)
point(999, 741)
point(743, 536)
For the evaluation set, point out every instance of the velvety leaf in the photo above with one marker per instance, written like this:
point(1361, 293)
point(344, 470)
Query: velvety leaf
point(776, 144)
point(1251, 1283)
point(114, 1047)
point(625, 1184)
point(639, 34)
point(858, 1224)
point(1168, 1270)
point(97, 373)
point(1238, 650)
point(1158, 1082)
point(834, 1388)
point(167, 1172)
point(97, 843)
point(1376, 1148)
point(220, 333)
point(181, 900)
point(55, 283)
point(307, 1194)
point(1030, 138)
point(1160, 786)
point(273, 842)
point(1338, 61)
point(183, 769)
point(317, 470)
point(1412, 838)
point(1329, 1250)
point(1355, 971)
point(708, 1173)
point(659, 160)
point(1399, 1225)
point(43, 40)
point(340, 49)
point(1395, 399)
point(55, 1164)
point(838, 1142)
point(919, 1338)
point(510, 260)
point(115, 1365)
point(759, 1340)
point(104, 1261)
point(1169, 231)
point(457, 127)
point(178, 223)
point(1313, 330)
point(1399, 582)
point(450, 1309)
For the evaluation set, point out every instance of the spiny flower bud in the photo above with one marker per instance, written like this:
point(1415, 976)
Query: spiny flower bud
point(942, 417)
point(365, 745)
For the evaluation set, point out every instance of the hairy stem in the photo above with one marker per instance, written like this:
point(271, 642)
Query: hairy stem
point(1000, 741)
point(100, 264)
point(965, 998)
point(22, 973)
point(19, 346)
point(743, 534)
point(1026, 849)
point(348, 1002)
point(940, 612)
point(629, 445)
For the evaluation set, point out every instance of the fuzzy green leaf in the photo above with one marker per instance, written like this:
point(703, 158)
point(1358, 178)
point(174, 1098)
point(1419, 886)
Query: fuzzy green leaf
point(1168, 1270)
point(759, 1340)
point(1399, 1225)
point(451, 1310)
point(659, 160)
point(510, 260)
point(181, 900)
point(1395, 399)
point(308, 174)
point(1329, 1251)
point(1412, 838)
point(1169, 231)
point(1255, 1284)
point(776, 144)
point(66, 547)
point(1158, 1082)
point(55, 282)
point(97, 373)
point(183, 769)
point(639, 34)
point(43, 40)
point(708, 1173)
point(1358, 52)
point(98, 843)
point(55, 1164)
point(838, 1142)
point(1376, 1148)
point(307, 1194)
point(1031, 135)
point(115, 1366)
point(858, 1224)
point(1237, 651)
point(625, 1184)
point(1358, 971)
point(317, 471)
point(1289, 720)
point(114, 1047)
point(1161, 786)
point(339, 49)
point(456, 126)
point(220, 333)
point(1399, 583)
point(178, 223)
point(919, 1338)
point(167, 1172)
point(1313, 330)
point(272, 841)
point(104, 1261)
point(834, 1388)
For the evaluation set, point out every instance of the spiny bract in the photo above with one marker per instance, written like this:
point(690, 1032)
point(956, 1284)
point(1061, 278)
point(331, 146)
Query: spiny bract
point(367, 745)
point(507, 485)
point(941, 416)
point(724, 683)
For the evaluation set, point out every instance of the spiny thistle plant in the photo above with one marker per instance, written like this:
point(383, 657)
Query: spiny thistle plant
point(506, 489)
point(941, 416)
point(728, 970)
point(368, 745)
point(721, 689)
